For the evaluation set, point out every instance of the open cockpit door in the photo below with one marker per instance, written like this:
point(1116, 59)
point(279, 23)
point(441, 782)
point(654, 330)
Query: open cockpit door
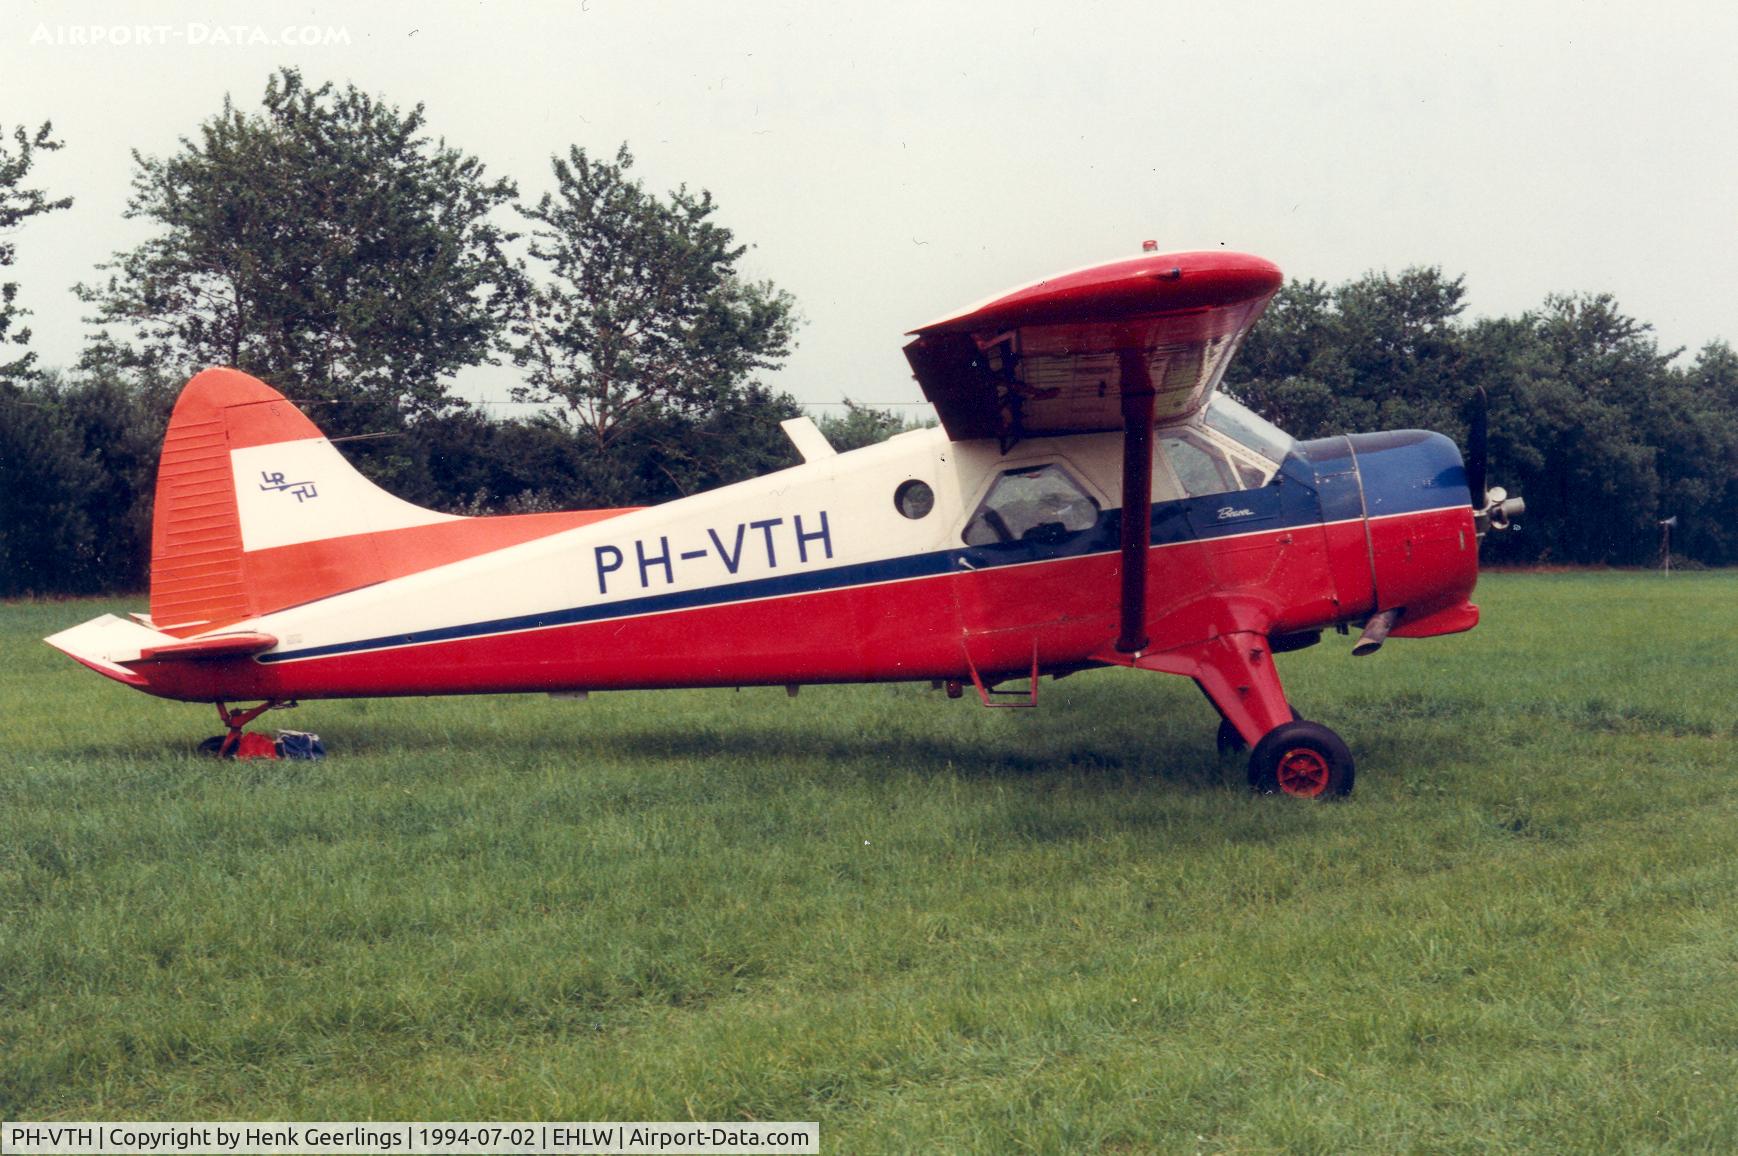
point(1115, 346)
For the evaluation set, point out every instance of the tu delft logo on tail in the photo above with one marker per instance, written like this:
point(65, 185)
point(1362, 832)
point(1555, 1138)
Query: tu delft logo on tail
point(302, 490)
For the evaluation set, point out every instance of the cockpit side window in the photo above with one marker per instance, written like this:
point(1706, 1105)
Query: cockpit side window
point(1229, 448)
point(1200, 466)
point(1251, 475)
point(1035, 504)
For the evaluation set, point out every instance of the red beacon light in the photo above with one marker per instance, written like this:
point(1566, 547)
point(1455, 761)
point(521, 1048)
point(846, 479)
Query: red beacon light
point(1149, 246)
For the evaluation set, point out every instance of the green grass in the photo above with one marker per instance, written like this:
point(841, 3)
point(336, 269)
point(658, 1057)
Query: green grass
point(924, 924)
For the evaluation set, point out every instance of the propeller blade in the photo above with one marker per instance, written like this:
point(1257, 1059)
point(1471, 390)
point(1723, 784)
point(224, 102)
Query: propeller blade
point(1478, 449)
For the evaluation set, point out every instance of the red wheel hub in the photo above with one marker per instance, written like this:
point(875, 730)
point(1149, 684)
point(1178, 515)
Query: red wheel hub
point(1304, 772)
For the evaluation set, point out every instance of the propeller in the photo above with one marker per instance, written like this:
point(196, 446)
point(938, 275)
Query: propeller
point(1491, 505)
point(1478, 449)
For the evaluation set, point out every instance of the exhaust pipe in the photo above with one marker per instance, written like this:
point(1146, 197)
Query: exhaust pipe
point(1376, 632)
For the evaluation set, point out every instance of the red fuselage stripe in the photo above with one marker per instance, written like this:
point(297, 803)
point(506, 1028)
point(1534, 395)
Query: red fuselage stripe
point(902, 628)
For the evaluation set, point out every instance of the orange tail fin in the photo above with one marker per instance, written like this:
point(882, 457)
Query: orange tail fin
point(256, 512)
point(198, 579)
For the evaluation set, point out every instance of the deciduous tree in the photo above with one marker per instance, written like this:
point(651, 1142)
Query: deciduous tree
point(640, 309)
point(17, 205)
point(324, 243)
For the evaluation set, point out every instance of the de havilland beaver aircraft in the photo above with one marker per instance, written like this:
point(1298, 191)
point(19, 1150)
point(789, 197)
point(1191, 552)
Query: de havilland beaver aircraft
point(1089, 499)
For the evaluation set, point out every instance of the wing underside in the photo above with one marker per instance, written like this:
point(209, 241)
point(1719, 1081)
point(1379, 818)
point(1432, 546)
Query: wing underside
point(1057, 357)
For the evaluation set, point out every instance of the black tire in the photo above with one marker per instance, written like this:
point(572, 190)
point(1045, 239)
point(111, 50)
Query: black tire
point(1302, 759)
point(1231, 743)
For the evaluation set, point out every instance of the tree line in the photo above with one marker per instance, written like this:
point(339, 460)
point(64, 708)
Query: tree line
point(1603, 432)
point(326, 242)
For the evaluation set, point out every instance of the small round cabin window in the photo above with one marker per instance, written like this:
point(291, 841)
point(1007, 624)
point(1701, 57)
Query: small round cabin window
point(914, 499)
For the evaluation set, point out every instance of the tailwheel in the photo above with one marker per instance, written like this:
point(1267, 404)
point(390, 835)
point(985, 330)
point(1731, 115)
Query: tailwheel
point(227, 746)
point(1303, 759)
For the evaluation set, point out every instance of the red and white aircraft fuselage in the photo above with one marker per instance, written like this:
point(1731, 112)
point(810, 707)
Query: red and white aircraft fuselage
point(1081, 430)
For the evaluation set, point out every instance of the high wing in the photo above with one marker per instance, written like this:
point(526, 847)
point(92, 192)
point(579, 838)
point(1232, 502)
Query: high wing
point(1056, 356)
point(1116, 346)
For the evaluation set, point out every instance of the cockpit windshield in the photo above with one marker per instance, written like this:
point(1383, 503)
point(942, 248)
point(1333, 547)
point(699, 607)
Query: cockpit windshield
point(1247, 428)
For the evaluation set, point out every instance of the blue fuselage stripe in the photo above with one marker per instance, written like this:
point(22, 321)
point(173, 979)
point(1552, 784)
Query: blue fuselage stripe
point(1171, 525)
point(1288, 502)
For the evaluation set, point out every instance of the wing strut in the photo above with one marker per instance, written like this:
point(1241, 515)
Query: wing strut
point(1137, 495)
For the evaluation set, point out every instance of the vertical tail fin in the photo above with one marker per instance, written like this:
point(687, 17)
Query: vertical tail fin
point(198, 580)
point(257, 511)
point(244, 472)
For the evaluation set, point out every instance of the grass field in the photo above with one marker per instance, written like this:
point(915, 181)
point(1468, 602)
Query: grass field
point(926, 925)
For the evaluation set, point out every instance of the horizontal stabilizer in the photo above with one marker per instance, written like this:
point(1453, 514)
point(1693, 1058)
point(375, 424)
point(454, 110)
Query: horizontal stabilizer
point(236, 645)
point(103, 644)
point(111, 646)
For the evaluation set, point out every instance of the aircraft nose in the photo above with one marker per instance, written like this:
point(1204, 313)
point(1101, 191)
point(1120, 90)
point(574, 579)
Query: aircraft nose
point(1408, 471)
point(1419, 521)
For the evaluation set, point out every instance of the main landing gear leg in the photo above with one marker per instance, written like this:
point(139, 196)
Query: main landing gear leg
point(1228, 741)
point(1290, 756)
point(235, 720)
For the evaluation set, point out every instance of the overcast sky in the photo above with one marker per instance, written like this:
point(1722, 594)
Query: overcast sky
point(890, 162)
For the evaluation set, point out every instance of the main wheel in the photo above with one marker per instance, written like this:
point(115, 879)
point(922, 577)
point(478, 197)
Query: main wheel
point(1303, 759)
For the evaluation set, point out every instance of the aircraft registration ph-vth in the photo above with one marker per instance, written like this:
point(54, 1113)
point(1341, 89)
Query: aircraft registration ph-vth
point(658, 558)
